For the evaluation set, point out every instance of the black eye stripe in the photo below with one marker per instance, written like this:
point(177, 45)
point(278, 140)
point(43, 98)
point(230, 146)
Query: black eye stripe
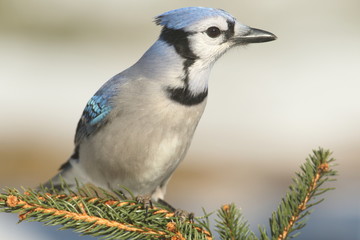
point(179, 39)
point(231, 30)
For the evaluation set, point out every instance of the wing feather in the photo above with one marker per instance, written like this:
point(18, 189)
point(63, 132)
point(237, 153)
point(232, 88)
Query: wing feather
point(93, 117)
point(98, 108)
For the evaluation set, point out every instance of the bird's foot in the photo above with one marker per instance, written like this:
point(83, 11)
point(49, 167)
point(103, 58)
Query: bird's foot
point(145, 200)
point(184, 215)
point(179, 213)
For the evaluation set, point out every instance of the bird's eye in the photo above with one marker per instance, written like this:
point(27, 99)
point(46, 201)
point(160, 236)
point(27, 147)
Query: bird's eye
point(213, 32)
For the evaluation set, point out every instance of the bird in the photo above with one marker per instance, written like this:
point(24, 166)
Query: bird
point(137, 128)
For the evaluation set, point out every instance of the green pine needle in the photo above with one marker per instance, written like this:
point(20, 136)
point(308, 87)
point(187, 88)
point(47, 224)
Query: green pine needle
point(111, 219)
point(290, 214)
point(96, 212)
point(232, 224)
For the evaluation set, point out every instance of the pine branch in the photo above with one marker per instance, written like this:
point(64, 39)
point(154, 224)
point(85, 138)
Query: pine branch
point(291, 213)
point(95, 213)
point(232, 224)
point(99, 217)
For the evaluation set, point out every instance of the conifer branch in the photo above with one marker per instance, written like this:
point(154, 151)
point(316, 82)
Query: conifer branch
point(91, 214)
point(94, 216)
point(232, 224)
point(290, 214)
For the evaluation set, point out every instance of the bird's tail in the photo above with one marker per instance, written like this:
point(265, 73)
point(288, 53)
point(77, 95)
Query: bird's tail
point(68, 178)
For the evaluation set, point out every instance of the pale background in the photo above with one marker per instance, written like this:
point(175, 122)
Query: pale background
point(269, 104)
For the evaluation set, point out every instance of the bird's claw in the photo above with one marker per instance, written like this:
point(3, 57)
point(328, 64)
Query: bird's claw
point(184, 215)
point(145, 200)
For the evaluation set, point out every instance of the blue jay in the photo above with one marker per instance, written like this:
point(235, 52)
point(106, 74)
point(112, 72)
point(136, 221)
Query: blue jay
point(138, 126)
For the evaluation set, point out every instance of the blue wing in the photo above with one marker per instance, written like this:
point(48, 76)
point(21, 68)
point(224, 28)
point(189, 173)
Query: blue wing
point(94, 116)
point(96, 112)
point(97, 109)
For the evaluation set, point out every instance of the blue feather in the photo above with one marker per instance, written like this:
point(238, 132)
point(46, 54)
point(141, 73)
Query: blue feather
point(96, 110)
point(183, 17)
point(93, 117)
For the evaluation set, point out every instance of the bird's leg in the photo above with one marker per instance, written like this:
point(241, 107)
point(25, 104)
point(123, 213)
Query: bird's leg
point(166, 204)
point(145, 200)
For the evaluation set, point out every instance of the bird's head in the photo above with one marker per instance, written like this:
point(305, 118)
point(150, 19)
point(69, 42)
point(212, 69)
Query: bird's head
point(206, 33)
point(191, 40)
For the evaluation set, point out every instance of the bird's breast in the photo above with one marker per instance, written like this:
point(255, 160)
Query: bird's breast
point(142, 144)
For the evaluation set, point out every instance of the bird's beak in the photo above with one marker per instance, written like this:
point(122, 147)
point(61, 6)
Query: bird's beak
point(254, 35)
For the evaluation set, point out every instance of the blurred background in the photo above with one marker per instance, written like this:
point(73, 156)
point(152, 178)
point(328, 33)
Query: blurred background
point(269, 104)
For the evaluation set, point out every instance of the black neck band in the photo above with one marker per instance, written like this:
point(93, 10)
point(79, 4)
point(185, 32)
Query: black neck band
point(179, 39)
point(185, 97)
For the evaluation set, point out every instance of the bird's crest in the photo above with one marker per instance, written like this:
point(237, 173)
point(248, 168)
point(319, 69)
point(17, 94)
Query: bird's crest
point(183, 17)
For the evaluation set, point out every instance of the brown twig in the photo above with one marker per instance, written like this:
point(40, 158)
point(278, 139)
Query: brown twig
point(14, 201)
